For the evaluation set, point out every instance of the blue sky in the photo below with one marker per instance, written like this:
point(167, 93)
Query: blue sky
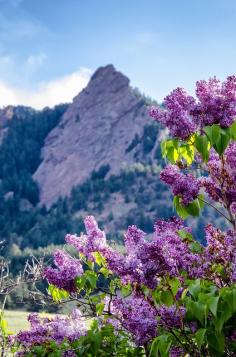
point(49, 48)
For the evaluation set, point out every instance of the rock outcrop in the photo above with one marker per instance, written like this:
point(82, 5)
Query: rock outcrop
point(7, 114)
point(96, 130)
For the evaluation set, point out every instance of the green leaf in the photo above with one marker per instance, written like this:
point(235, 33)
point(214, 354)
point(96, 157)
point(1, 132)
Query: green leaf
point(80, 282)
point(185, 235)
point(233, 131)
point(169, 149)
point(193, 208)
point(187, 152)
point(195, 247)
point(184, 294)
point(201, 201)
point(216, 342)
point(222, 142)
point(166, 297)
point(181, 210)
point(160, 346)
point(199, 336)
point(57, 294)
point(194, 287)
point(91, 278)
point(198, 310)
point(229, 296)
point(99, 259)
point(104, 271)
point(202, 146)
point(99, 308)
point(213, 304)
point(184, 211)
point(175, 285)
point(126, 290)
point(90, 264)
point(172, 155)
point(114, 284)
point(213, 133)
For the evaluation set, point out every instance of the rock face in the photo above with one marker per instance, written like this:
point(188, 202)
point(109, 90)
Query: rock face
point(96, 130)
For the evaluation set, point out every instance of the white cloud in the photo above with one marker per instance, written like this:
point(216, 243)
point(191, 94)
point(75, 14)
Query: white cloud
point(60, 90)
point(36, 60)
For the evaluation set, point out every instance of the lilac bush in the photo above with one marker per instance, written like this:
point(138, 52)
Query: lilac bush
point(165, 295)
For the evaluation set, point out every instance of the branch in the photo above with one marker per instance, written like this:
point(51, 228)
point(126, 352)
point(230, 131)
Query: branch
point(221, 213)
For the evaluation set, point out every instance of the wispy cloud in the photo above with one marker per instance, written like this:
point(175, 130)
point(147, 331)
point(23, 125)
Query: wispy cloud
point(36, 60)
point(59, 90)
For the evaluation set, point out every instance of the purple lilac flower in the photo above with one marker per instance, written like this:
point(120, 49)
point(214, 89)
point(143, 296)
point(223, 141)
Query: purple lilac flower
point(177, 352)
point(233, 208)
point(133, 238)
point(183, 115)
point(172, 225)
point(176, 114)
point(185, 186)
point(170, 316)
point(94, 241)
point(230, 158)
point(44, 330)
point(67, 270)
point(165, 254)
point(221, 249)
point(220, 185)
point(138, 317)
point(217, 102)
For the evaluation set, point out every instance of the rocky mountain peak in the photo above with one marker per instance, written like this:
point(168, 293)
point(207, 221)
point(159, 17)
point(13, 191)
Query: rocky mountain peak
point(95, 130)
point(110, 75)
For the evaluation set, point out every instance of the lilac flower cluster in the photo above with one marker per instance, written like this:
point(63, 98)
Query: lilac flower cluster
point(145, 263)
point(185, 186)
point(170, 316)
point(137, 316)
point(44, 330)
point(67, 269)
point(221, 249)
point(176, 115)
point(217, 102)
point(149, 260)
point(93, 241)
point(183, 115)
point(220, 185)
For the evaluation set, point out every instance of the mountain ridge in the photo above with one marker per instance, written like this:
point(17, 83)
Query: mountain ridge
point(96, 130)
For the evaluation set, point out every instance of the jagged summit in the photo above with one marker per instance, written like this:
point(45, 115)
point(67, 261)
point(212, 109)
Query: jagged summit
point(109, 73)
point(96, 130)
